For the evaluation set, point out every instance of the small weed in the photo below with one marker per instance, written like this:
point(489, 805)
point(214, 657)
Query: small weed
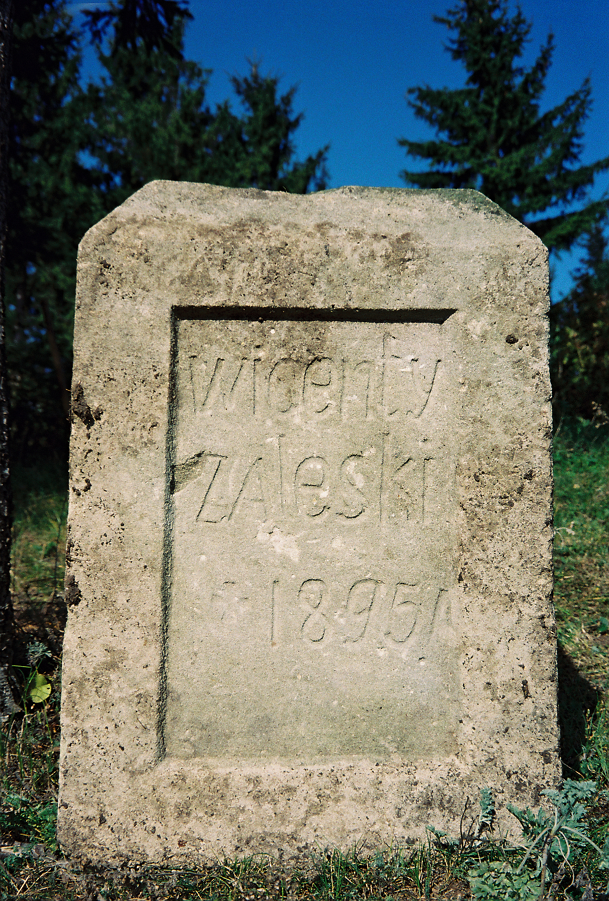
point(554, 844)
point(27, 822)
point(594, 759)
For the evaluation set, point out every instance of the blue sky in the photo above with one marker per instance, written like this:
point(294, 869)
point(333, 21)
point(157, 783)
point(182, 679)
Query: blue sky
point(354, 60)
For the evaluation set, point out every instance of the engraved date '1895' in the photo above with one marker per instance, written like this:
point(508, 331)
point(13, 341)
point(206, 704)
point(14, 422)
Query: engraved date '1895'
point(397, 615)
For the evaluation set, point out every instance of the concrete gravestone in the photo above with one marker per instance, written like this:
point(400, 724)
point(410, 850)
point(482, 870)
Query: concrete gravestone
point(310, 525)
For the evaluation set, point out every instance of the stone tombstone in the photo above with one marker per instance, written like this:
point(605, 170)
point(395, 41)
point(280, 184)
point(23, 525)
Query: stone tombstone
point(309, 554)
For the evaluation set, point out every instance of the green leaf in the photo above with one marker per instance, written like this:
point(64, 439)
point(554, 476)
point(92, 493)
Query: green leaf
point(40, 689)
point(494, 880)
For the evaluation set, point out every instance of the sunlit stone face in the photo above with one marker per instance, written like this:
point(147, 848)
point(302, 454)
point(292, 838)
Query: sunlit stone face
point(313, 550)
point(309, 566)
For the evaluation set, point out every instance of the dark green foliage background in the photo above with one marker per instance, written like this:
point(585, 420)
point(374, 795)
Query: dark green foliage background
point(52, 201)
point(580, 338)
point(491, 135)
point(77, 152)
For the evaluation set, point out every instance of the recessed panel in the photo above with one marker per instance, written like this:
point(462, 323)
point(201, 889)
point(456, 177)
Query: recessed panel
point(313, 541)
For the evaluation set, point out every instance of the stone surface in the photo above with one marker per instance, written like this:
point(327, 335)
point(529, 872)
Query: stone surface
point(310, 522)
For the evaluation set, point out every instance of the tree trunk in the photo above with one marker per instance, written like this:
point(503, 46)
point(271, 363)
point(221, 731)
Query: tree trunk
point(7, 702)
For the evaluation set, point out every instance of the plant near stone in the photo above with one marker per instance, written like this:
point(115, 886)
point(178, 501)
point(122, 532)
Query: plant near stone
point(551, 841)
point(29, 740)
point(39, 534)
point(581, 473)
point(37, 687)
point(486, 820)
point(30, 748)
point(594, 760)
point(581, 587)
point(498, 879)
point(29, 822)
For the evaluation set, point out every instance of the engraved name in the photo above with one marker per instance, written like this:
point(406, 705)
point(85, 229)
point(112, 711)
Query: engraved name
point(379, 482)
point(396, 383)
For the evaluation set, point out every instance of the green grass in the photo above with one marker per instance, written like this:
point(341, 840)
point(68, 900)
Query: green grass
point(581, 596)
point(581, 549)
point(39, 533)
point(448, 868)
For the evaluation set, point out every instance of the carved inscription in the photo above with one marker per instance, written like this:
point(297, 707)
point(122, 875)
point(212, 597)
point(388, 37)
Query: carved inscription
point(396, 615)
point(313, 548)
point(378, 482)
point(397, 383)
point(399, 615)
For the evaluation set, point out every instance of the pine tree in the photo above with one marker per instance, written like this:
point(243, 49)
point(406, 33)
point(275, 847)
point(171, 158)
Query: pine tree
point(75, 154)
point(492, 135)
point(265, 139)
point(134, 22)
point(151, 120)
point(580, 337)
point(52, 202)
point(149, 115)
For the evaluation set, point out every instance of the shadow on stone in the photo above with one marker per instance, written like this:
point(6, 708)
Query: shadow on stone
point(577, 699)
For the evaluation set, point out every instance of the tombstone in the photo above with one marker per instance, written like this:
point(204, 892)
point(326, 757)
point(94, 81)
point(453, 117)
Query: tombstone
point(309, 554)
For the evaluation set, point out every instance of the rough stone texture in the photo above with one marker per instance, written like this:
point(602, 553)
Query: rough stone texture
point(310, 523)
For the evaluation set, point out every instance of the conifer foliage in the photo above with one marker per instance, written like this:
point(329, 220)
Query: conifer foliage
point(265, 139)
point(148, 114)
point(492, 135)
point(151, 120)
point(580, 337)
point(76, 152)
point(135, 21)
point(53, 199)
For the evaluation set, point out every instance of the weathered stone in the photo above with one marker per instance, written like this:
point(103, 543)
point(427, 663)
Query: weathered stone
point(310, 522)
